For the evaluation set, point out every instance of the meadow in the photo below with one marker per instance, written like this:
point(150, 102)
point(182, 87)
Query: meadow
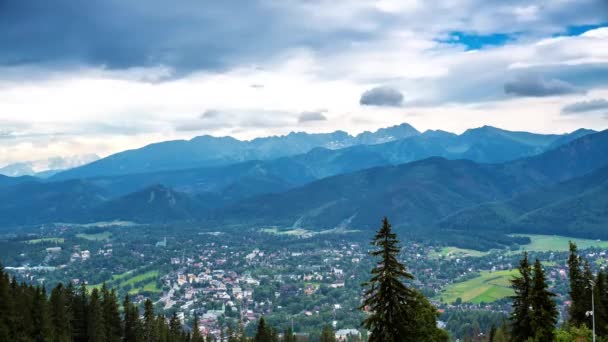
point(487, 287)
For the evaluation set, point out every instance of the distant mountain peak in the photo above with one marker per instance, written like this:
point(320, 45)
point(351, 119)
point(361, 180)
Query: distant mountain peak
point(46, 167)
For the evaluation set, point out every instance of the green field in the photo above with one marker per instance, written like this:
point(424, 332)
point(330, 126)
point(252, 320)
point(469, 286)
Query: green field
point(127, 278)
point(487, 287)
point(41, 240)
point(95, 237)
point(546, 243)
point(455, 252)
point(148, 287)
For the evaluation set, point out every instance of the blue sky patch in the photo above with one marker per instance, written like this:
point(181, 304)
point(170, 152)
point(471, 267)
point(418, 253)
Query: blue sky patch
point(476, 42)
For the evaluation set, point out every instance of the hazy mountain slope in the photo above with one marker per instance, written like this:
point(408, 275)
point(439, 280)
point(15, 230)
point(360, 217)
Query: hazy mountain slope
point(585, 214)
point(154, 204)
point(419, 193)
point(529, 211)
point(34, 202)
point(411, 194)
point(8, 181)
point(207, 151)
point(397, 144)
point(211, 179)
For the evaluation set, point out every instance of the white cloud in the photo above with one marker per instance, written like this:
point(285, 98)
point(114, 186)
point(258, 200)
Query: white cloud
point(90, 109)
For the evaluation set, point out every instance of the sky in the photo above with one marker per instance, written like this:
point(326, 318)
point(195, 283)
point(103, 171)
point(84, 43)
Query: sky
point(105, 76)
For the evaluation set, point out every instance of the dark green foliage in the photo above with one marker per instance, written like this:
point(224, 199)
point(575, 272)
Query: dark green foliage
point(68, 314)
point(196, 332)
point(521, 326)
point(327, 334)
point(80, 314)
point(544, 311)
point(397, 312)
point(263, 332)
point(149, 323)
point(534, 313)
point(580, 292)
point(131, 329)
point(288, 335)
point(111, 315)
point(60, 315)
point(95, 321)
point(601, 304)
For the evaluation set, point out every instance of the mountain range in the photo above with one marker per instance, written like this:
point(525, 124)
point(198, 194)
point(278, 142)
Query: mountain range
point(476, 187)
point(397, 144)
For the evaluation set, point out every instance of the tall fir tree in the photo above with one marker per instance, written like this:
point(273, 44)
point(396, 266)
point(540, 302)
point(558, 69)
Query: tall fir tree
point(95, 322)
point(5, 306)
point(288, 335)
point(131, 317)
point(521, 327)
point(327, 334)
point(386, 295)
point(578, 289)
point(79, 312)
point(196, 332)
point(263, 332)
point(543, 308)
point(149, 322)
point(601, 304)
point(40, 316)
point(60, 316)
point(175, 325)
point(397, 312)
point(111, 315)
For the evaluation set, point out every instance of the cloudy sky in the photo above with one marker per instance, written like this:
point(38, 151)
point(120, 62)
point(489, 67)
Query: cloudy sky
point(111, 75)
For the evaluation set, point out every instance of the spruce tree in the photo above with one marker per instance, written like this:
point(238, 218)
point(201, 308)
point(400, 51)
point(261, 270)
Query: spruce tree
point(578, 292)
point(288, 335)
point(111, 315)
point(40, 316)
point(601, 304)
point(131, 317)
point(79, 312)
point(386, 295)
point(327, 334)
point(149, 322)
point(175, 325)
point(60, 316)
point(95, 322)
point(196, 332)
point(544, 311)
point(5, 306)
point(263, 333)
point(521, 328)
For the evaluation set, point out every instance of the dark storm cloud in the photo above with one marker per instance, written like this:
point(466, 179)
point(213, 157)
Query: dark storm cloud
point(311, 116)
point(534, 86)
point(117, 34)
point(586, 106)
point(382, 96)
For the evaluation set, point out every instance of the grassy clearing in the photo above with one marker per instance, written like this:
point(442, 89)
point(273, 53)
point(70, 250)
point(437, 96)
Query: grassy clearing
point(140, 277)
point(148, 287)
point(95, 237)
point(556, 243)
point(41, 240)
point(148, 280)
point(487, 287)
point(455, 252)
